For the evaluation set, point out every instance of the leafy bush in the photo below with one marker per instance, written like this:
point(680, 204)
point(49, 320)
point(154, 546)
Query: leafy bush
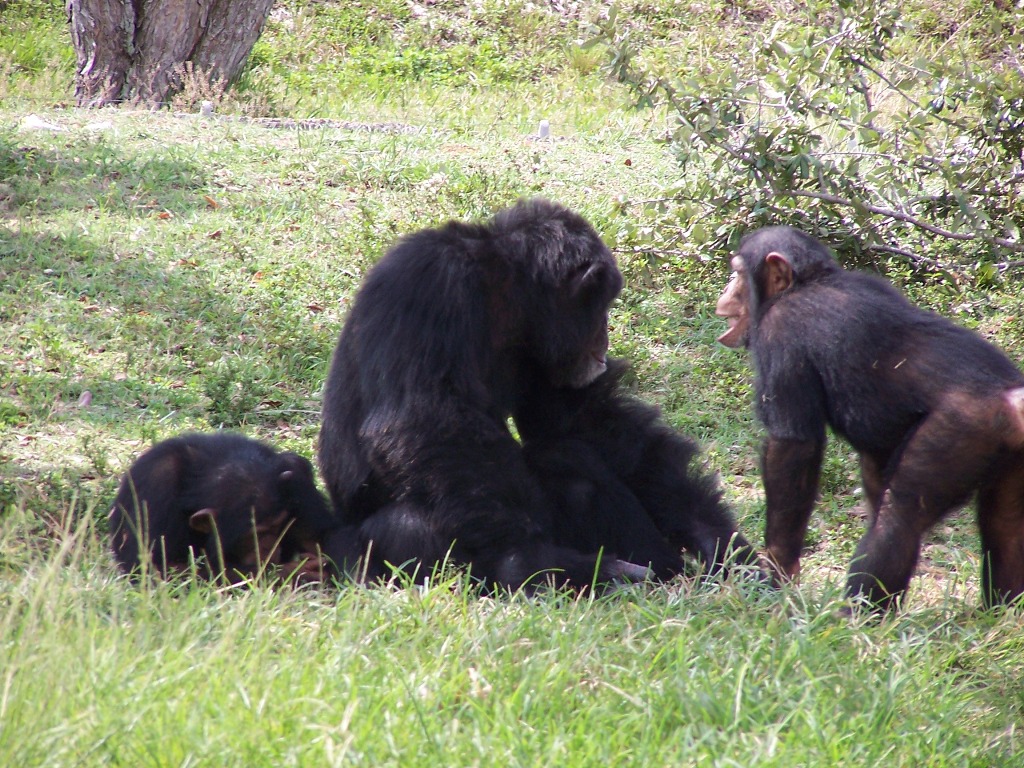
point(826, 125)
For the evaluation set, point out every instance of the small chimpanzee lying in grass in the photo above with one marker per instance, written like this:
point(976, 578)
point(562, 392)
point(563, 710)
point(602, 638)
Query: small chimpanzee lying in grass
point(227, 504)
point(935, 412)
point(455, 330)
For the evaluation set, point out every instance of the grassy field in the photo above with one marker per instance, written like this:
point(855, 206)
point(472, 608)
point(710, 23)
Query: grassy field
point(161, 272)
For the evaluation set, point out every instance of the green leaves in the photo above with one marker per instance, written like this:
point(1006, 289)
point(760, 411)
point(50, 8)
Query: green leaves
point(826, 125)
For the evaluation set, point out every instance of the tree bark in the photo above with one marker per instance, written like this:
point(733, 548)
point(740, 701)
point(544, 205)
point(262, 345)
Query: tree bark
point(102, 32)
point(138, 51)
point(232, 29)
point(166, 31)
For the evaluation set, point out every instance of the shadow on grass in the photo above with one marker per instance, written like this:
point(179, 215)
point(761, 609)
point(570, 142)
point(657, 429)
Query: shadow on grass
point(103, 281)
point(90, 172)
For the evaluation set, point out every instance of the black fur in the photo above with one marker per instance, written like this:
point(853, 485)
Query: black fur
point(256, 495)
point(451, 333)
point(624, 480)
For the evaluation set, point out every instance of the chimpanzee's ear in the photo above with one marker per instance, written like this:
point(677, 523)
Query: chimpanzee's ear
point(587, 278)
point(778, 274)
point(203, 521)
point(292, 469)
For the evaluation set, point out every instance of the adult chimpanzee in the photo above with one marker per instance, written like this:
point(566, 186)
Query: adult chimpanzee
point(454, 330)
point(230, 504)
point(935, 412)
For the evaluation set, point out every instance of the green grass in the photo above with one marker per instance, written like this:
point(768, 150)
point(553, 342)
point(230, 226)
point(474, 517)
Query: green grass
point(98, 672)
point(192, 273)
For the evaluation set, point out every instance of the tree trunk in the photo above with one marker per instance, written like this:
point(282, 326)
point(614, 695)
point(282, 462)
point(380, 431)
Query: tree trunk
point(139, 51)
point(102, 32)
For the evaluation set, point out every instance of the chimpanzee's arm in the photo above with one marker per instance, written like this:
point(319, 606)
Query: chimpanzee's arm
point(791, 404)
point(790, 471)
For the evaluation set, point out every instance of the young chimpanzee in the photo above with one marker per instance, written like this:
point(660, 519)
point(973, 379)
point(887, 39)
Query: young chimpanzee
point(623, 480)
point(453, 331)
point(935, 412)
point(231, 505)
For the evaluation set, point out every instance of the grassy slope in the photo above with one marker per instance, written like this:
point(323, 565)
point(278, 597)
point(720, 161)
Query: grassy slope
point(192, 274)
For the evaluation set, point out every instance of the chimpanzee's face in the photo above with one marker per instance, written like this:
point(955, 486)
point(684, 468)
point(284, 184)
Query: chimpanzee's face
point(734, 306)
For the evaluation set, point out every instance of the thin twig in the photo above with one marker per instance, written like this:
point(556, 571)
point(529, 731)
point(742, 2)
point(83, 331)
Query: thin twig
point(904, 217)
point(919, 259)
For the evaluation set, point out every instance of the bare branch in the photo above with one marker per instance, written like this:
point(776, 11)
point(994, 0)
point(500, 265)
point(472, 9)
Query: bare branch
point(917, 258)
point(1002, 242)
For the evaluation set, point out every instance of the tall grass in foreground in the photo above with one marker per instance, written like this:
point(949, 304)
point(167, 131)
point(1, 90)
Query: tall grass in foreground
point(96, 671)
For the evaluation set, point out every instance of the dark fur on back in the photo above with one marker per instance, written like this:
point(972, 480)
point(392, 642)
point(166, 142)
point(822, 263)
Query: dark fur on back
point(862, 325)
point(244, 482)
point(445, 323)
point(453, 331)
